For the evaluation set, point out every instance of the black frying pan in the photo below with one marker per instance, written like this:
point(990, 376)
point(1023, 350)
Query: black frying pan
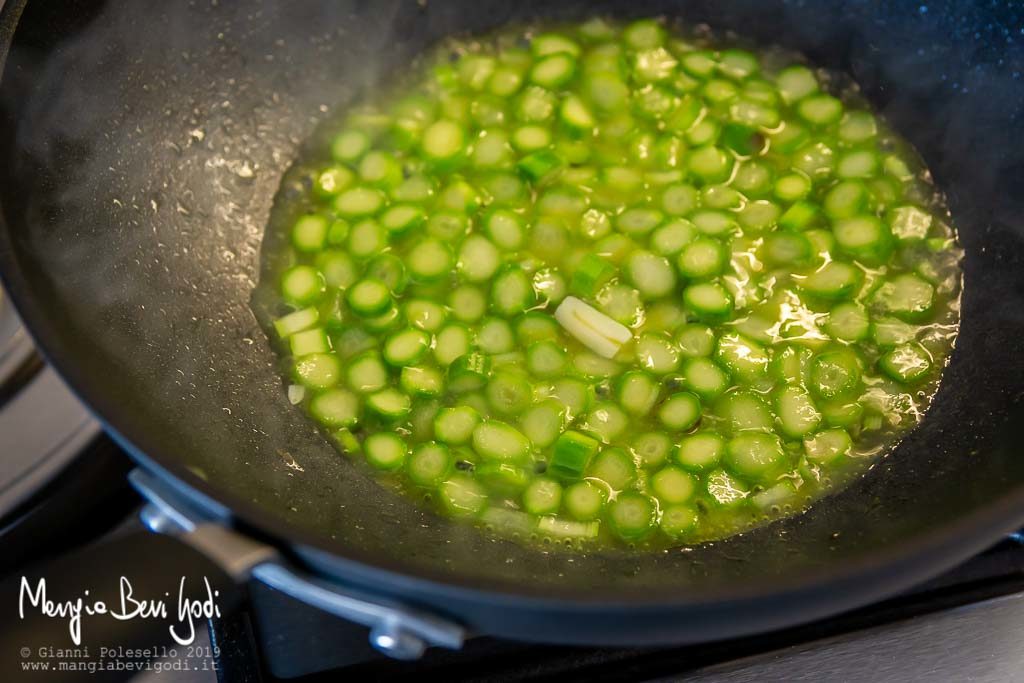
point(142, 142)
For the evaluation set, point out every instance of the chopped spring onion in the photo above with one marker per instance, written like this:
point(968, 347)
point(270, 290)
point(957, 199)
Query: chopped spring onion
point(573, 451)
point(615, 467)
point(597, 331)
point(385, 451)
point(499, 441)
point(702, 451)
point(631, 516)
point(542, 496)
point(680, 411)
point(429, 464)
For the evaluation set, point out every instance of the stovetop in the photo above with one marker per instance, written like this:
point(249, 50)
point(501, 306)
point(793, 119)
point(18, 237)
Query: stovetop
point(965, 624)
point(60, 479)
point(66, 485)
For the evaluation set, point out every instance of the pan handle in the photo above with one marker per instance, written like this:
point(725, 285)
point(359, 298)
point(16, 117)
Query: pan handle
point(396, 630)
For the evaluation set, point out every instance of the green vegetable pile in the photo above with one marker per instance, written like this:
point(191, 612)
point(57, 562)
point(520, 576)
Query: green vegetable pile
point(612, 285)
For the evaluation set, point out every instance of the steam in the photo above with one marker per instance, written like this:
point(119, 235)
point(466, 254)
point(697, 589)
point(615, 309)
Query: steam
point(159, 134)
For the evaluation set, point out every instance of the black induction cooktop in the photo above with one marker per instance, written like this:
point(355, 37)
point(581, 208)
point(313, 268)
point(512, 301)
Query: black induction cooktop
point(280, 639)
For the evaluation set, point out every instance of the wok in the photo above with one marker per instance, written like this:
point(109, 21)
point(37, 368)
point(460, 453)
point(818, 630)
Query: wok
point(141, 146)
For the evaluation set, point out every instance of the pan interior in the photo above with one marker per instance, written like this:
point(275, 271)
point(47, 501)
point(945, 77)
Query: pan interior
point(772, 313)
point(139, 167)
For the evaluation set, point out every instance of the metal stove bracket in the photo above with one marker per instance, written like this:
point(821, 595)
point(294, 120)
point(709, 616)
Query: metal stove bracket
point(396, 630)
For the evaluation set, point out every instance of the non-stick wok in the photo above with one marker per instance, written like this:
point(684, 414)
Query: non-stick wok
point(141, 146)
